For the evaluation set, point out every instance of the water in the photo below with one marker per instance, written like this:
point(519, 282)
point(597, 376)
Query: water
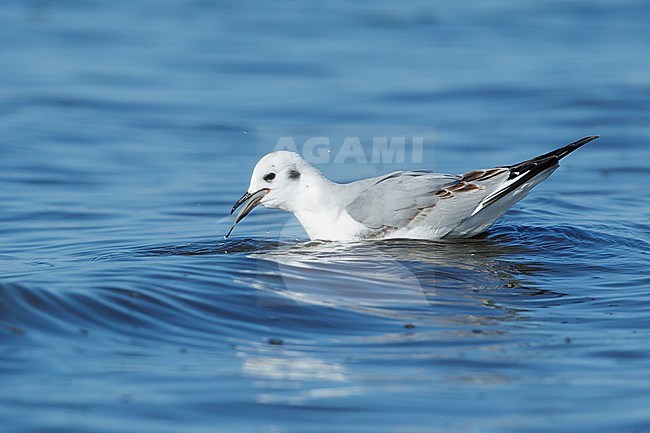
point(128, 130)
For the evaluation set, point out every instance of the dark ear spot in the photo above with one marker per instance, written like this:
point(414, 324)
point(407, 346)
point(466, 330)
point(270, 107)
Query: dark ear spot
point(294, 174)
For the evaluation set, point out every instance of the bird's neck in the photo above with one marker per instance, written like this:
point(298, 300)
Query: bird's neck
point(317, 194)
point(320, 208)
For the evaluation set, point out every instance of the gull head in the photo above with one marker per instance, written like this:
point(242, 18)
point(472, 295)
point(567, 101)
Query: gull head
point(277, 182)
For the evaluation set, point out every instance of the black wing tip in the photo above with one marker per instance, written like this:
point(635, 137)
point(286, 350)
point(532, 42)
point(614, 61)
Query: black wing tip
point(564, 151)
point(569, 148)
point(558, 153)
point(527, 170)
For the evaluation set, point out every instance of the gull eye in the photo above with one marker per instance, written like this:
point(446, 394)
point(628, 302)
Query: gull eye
point(269, 176)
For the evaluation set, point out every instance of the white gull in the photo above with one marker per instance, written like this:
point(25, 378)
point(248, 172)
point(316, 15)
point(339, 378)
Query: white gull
point(415, 204)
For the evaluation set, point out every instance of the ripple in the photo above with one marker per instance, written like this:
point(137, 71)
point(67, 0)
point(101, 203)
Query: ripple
point(560, 237)
point(113, 159)
point(168, 292)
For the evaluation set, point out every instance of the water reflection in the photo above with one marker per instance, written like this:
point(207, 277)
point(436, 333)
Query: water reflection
point(448, 302)
point(294, 377)
point(345, 308)
point(392, 275)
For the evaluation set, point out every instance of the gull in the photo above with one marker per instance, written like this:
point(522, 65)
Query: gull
point(414, 204)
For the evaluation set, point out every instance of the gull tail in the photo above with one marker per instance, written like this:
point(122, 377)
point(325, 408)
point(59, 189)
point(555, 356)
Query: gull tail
point(529, 171)
point(521, 178)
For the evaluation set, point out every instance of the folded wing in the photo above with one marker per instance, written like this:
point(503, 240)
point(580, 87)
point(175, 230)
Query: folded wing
point(394, 200)
point(451, 205)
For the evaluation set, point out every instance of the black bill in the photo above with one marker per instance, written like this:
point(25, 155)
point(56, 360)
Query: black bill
point(249, 201)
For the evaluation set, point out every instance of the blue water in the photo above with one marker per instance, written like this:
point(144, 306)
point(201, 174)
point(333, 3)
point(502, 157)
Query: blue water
point(128, 130)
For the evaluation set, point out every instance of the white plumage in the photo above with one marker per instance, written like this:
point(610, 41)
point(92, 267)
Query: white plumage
point(406, 204)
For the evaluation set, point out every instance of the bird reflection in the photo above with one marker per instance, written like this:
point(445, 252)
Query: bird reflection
point(450, 301)
point(386, 277)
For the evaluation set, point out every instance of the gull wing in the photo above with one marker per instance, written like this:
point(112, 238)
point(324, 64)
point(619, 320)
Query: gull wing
point(394, 200)
point(448, 205)
point(437, 202)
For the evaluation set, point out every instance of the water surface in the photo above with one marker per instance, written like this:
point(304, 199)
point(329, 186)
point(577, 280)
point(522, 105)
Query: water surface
point(128, 130)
